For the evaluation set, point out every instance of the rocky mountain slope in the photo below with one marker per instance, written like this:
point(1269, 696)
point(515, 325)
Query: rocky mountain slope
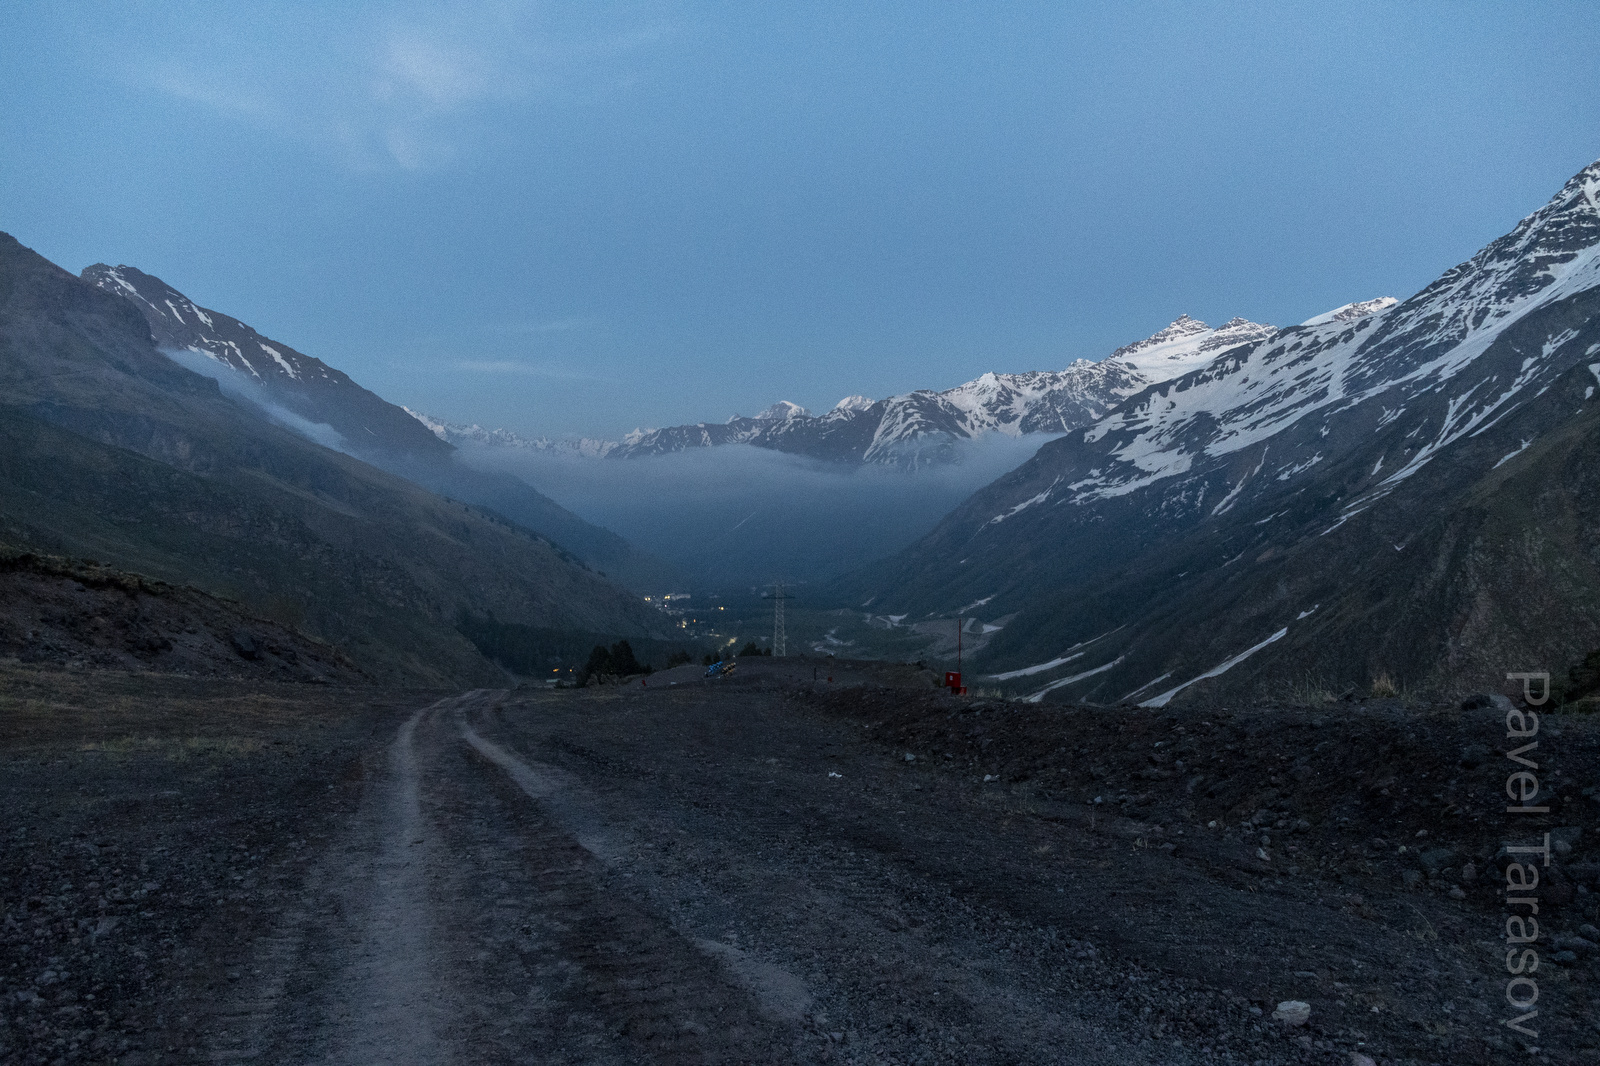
point(338, 411)
point(112, 451)
point(925, 427)
point(1402, 490)
point(305, 385)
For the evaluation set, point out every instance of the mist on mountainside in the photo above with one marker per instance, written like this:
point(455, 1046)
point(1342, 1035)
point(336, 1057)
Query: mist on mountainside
point(241, 386)
point(503, 493)
point(739, 515)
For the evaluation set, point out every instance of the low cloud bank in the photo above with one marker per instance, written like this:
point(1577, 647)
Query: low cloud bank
point(724, 517)
point(739, 515)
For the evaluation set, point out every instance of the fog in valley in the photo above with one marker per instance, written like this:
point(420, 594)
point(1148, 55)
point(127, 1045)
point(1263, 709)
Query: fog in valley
point(739, 515)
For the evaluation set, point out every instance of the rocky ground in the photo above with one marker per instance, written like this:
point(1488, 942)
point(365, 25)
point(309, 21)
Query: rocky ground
point(776, 867)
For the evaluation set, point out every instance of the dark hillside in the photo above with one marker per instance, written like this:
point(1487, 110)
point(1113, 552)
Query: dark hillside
point(362, 423)
point(109, 450)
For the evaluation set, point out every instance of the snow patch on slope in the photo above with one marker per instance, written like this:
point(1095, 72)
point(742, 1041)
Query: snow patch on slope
point(1216, 671)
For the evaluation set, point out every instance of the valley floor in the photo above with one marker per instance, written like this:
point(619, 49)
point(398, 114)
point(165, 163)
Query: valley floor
point(769, 869)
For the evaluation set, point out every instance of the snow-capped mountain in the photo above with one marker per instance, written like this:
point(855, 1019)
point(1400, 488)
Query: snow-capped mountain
point(1352, 312)
point(1188, 344)
point(1338, 476)
point(459, 433)
point(918, 428)
point(302, 384)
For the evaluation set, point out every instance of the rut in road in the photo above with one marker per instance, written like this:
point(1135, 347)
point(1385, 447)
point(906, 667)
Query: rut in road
point(469, 915)
point(351, 967)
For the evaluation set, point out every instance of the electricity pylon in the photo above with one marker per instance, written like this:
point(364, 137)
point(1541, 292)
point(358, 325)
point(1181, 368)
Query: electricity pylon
point(779, 638)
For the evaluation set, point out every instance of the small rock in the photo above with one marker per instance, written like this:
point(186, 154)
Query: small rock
point(1292, 1012)
point(1469, 873)
point(1564, 957)
point(1358, 1059)
point(1436, 859)
point(910, 757)
point(244, 643)
point(1589, 931)
point(1457, 892)
point(1261, 853)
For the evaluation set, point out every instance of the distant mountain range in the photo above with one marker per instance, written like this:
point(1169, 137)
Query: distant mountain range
point(1406, 489)
point(923, 427)
point(110, 450)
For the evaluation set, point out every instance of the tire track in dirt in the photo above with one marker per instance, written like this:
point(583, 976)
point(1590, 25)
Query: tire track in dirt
point(350, 976)
point(477, 910)
point(674, 997)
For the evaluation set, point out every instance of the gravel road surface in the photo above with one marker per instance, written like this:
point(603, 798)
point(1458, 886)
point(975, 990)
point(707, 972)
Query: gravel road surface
point(762, 871)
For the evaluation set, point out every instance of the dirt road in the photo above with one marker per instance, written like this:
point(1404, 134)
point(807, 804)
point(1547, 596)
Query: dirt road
point(743, 874)
point(491, 904)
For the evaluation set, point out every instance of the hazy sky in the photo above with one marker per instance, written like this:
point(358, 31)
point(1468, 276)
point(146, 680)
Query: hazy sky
point(578, 218)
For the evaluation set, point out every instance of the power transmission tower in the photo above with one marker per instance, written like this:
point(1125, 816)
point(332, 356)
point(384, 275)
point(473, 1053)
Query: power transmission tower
point(779, 638)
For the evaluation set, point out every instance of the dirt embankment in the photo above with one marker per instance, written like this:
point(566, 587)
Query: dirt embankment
point(66, 613)
point(1394, 815)
point(1412, 796)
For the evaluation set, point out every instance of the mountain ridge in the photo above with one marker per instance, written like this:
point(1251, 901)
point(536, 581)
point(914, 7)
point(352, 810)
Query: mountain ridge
point(109, 450)
point(305, 384)
point(1287, 450)
point(272, 374)
point(921, 427)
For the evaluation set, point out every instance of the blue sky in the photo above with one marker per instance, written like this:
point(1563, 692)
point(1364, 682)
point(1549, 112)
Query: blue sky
point(579, 218)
